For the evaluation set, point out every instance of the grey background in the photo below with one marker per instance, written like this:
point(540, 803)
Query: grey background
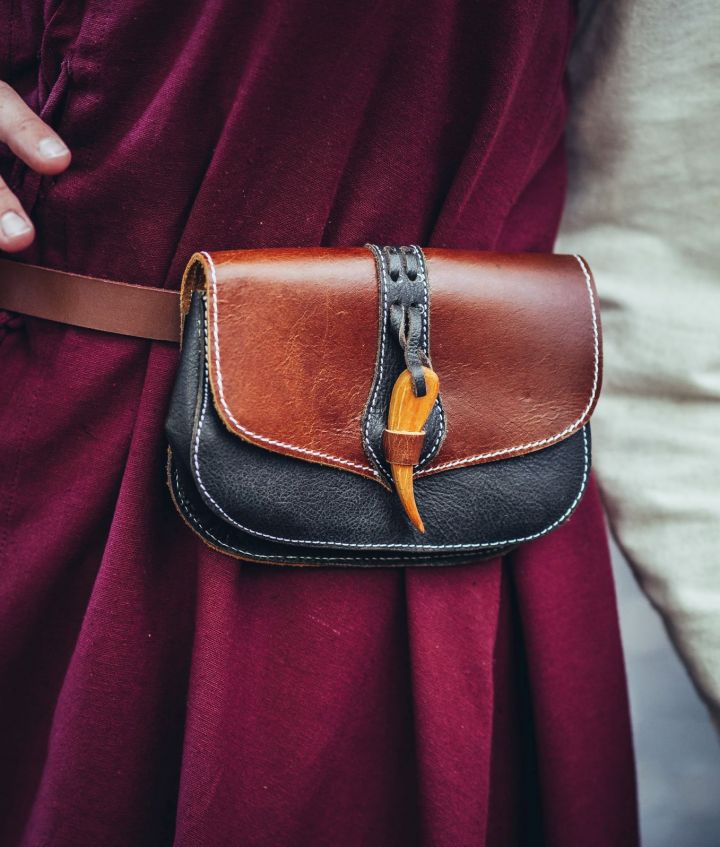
point(676, 745)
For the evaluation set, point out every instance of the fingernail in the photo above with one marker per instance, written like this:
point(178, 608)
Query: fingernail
point(51, 148)
point(12, 225)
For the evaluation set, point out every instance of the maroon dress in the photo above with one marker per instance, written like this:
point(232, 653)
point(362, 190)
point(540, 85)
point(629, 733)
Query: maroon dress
point(153, 692)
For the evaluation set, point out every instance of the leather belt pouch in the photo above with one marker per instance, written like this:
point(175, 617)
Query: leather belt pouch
point(305, 401)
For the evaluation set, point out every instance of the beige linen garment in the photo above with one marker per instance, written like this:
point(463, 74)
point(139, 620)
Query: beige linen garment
point(643, 207)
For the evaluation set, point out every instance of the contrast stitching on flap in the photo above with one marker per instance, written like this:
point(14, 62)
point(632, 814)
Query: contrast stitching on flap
point(552, 438)
point(383, 285)
point(378, 381)
point(348, 544)
point(435, 468)
point(426, 345)
point(249, 433)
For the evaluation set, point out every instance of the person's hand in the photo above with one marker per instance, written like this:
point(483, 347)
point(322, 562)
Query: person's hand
point(31, 140)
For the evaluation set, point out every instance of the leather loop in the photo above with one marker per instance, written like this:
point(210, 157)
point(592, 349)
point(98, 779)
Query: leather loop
point(90, 302)
point(407, 323)
point(403, 448)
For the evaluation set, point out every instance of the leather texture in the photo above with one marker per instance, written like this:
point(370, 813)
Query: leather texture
point(402, 287)
point(403, 448)
point(293, 349)
point(517, 344)
point(260, 505)
point(292, 346)
point(90, 302)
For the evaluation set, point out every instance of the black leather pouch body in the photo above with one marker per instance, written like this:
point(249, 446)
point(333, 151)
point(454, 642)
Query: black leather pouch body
point(277, 423)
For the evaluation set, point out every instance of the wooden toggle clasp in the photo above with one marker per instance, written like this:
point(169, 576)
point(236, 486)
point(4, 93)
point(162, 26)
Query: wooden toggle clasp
point(403, 439)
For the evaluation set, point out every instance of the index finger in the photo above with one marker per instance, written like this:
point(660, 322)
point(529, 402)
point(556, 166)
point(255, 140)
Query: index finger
point(29, 137)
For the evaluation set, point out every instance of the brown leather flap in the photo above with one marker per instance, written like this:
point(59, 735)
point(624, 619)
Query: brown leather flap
point(293, 339)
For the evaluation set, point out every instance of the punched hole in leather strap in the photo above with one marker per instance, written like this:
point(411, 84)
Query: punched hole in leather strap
point(90, 302)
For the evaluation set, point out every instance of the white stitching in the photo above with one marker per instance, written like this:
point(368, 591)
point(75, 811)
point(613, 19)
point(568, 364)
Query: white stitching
point(383, 321)
point(500, 545)
point(249, 433)
point(347, 544)
point(195, 520)
point(568, 429)
point(426, 344)
point(425, 303)
point(438, 437)
point(443, 466)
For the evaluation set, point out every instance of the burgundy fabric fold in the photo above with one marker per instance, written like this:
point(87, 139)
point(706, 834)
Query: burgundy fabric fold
point(153, 692)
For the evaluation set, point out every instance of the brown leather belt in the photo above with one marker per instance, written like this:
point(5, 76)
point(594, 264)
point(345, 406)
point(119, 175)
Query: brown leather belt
point(90, 302)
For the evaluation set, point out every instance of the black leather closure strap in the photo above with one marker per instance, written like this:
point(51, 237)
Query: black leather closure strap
point(408, 320)
point(404, 342)
point(407, 323)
